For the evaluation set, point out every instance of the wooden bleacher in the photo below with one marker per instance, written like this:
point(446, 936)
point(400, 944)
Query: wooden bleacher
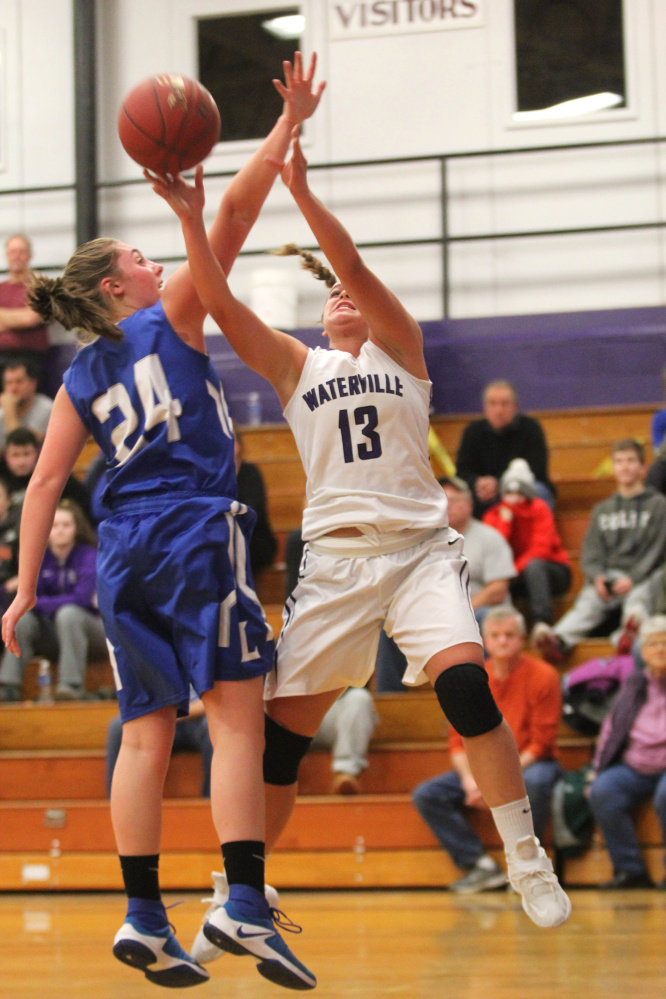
point(55, 830)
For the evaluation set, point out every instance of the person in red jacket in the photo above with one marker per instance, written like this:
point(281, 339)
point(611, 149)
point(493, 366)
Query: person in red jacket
point(528, 524)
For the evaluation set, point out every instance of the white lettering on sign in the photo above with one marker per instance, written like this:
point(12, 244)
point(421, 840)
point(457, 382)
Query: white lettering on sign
point(365, 18)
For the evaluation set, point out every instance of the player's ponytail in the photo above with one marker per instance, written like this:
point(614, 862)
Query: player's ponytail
point(308, 262)
point(76, 300)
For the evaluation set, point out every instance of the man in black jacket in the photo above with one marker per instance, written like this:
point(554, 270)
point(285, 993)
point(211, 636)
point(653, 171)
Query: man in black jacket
point(490, 443)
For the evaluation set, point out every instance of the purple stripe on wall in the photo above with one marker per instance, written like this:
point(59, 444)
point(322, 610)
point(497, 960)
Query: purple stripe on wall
point(562, 360)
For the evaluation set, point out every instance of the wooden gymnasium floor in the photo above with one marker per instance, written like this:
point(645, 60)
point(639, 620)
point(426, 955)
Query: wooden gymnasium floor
point(371, 944)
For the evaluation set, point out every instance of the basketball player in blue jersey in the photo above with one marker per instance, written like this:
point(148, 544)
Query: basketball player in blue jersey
point(378, 542)
point(174, 582)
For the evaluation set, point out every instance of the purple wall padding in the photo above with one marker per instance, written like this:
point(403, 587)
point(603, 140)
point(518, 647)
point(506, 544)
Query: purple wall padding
point(556, 361)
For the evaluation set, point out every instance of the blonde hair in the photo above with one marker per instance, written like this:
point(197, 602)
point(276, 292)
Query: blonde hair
point(308, 262)
point(76, 300)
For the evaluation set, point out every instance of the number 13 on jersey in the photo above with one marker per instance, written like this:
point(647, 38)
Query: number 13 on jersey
point(367, 418)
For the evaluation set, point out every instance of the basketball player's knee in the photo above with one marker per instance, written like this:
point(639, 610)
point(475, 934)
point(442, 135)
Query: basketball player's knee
point(465, 698)
point(283, 753)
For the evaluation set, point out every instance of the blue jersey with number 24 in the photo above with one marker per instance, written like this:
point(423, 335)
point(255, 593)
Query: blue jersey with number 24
point(155, 407)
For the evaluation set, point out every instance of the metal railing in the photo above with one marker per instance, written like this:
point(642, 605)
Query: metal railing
point(445, 240)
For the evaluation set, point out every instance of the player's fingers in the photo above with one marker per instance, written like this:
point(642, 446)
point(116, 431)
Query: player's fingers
point(149, 177)
point(311, 68)
point(288, 76)
point(281, 89)
point(298, 65)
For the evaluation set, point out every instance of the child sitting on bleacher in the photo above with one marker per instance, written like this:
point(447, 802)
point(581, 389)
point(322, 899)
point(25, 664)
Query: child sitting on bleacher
point(541, 561)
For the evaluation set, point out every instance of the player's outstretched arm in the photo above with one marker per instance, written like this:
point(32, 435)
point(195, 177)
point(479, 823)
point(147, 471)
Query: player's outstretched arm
point(243, 199)
point(391, 326)
point(276, 356)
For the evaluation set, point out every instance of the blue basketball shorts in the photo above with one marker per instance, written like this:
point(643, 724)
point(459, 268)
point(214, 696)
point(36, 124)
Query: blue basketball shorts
point(176, 593)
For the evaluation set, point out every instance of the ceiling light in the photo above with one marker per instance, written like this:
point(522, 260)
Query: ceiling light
point(580, 105)
point(289, 26)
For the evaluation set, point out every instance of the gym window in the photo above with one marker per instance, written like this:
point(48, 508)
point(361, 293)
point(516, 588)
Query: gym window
point(239, 57)
point(569, 50)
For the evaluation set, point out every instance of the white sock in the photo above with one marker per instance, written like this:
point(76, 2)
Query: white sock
point(514, 822)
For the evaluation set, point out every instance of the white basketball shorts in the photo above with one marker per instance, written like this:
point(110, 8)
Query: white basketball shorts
point(332, 620)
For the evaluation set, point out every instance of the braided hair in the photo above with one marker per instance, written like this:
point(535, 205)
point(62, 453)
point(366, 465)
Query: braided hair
point(76, 300)
point(308, 262)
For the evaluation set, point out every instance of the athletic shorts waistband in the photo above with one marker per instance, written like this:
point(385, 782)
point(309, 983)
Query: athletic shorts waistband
point(162, 500)
point(368, 545)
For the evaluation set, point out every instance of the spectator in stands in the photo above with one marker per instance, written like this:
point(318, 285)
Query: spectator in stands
point(527, 522)
point(346, 730)
point(9, 535)
point(191, 736)
point(252, 492)
point(658, 425)
point(527, 692)
point(64, 624)
point(656, 475)
point(490, 568)
point(630, 760)
point(490, 443)
point(18, 463)
point(21, 405)
point(22, 332)
point(623, 550)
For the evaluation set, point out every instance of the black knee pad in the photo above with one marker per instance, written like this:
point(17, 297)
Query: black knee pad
point(464, 695)
point(283, 753)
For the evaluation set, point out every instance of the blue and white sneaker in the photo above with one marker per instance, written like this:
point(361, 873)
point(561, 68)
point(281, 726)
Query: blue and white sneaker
point(202, 950)
point(237, 934)
point(158, 955)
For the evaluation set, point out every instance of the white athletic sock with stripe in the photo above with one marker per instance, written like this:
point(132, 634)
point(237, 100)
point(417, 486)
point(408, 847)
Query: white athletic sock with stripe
point(514, 822)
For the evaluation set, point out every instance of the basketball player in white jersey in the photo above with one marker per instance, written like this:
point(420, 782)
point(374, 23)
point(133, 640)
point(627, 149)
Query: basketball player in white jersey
point(378, 545)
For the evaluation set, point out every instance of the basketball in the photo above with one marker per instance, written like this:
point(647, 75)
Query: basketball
point(168, 123)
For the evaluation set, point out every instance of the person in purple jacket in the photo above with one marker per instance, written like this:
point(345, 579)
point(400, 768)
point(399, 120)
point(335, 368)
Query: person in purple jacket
point(64, 624)
point(629, 764)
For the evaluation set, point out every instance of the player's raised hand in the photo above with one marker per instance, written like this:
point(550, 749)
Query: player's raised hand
point(186, 200)
point(300, 100)
point(294, 172)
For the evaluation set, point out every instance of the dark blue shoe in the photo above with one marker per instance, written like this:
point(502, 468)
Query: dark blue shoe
point(158, 955)
point(236, 934)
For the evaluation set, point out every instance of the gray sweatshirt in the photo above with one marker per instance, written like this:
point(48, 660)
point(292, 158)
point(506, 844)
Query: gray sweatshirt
point(626, 536)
